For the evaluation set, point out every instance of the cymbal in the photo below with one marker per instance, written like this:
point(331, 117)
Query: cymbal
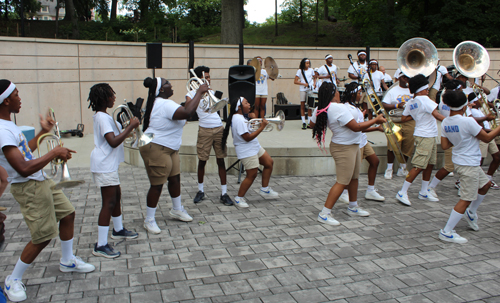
point(271, 68)
point(256, 64)
point(343, 79)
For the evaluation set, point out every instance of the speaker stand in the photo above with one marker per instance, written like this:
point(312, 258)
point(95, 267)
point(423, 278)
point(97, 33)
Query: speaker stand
point(240, 169)
point(154, 75)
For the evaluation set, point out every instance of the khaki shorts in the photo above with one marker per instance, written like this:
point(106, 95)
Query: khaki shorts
point(303, 96)
point(347, 161)
point(42, 208)
point(208, 138)
point(425, 152)
point(432, 94)
point(497, 140)
point(161, 162)
point(487, 148)
point(448, 163)
point(408, 143)
point(367, 151)
point(106, 179)
point(253, 161)
point(472, 178)
point(261, 96)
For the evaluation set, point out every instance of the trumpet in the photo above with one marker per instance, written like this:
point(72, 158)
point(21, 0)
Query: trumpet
point(54, 140)
point(209, 102)
point(138, 138)
point(279, 120)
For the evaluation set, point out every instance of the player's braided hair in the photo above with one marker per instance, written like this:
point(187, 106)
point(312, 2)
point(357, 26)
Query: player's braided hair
point(99, 95)
point(325, 95)
point(351, 91)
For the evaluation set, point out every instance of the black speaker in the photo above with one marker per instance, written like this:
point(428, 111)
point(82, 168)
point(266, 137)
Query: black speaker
point(291, 111)
point(241, 82)
point(153, 55)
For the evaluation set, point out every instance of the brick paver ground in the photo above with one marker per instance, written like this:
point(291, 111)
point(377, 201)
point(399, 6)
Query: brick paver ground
point(274, 251)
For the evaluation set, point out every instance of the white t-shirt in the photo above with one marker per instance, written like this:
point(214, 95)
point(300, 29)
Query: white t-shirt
point(338, 116)
point(387, 78)
point(493, 94)
point(461, 132)
point(332, 70)
point(244, 149)
point(168, 132)
point(11, 135)
point(467, 91)
point(479, 114)
point(206, 120)
point(421, 108)
point(309, 75)
point(441, 71)
point(396, 73)
point(377, 78)
point(397, 95)
point(261, 83)
point(444, 109)
point(358, 69)
point(104, 158)
point(361, 118)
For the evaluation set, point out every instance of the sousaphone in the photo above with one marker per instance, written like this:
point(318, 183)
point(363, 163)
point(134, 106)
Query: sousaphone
point(417, 56)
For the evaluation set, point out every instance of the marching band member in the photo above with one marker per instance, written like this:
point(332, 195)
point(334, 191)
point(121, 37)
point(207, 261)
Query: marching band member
point(329, 71)
point(468, 89)
point(165, 119)
point(249, 151)
point(305, 78)
point(396, 98)
point(423, 111)
point(356, 72)
point(47, 212)
point(387, 78)
point(104, 161)
point(376, 76)
point(209, 135)
point(261, 92)
point(344, 147)
point(464, 134)
point(441, 71)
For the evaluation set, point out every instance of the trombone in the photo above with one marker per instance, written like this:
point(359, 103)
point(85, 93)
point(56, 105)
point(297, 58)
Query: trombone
point(138, 138)
point(209, 102)
point(279, 120)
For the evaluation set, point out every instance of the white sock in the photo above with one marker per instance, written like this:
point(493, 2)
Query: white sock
point(200, 187)
point(452, 221)
point(19, 269)
point(423, 189)
point(237, 198)
point(117, 222)
point(66, 250)
point(102, 235)
point(176, 203)
point(303, 119)
point(405, 187)
point(345, 192)
point(353, 204)
point(224, 189)
point(150, 212)
point(264, 188)
point(308, 120)
point(475, 204)
point(370, 188)
point(389, 166)
point(490, 177)
point(326, 211)
point(435, 181)
point(402, 165)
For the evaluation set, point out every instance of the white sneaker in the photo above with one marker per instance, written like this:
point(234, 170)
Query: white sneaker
point(151, 226)
point(403, 198)
point(471, 219)
point(356, 211)
point(374, 195)
point(76, 265)
point(15, 289)
point(451, 174)
point(458, 193)
point(181, 214)
point(402, 172)
point(241, 202)
point(427, 197)
point(432, 192)
point(270, 193)
point(451, 236)
point(344, 198)
point(327, 219)
point(388, 174)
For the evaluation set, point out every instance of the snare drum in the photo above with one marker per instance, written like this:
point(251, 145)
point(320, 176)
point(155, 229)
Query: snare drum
point(312, 98)
point(341, 92)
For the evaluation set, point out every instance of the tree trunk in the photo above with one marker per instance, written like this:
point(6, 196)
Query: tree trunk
point(325, 8)
point(231, 22)
point(317, 20)
point(114, 7)
point(71, 16)
point(144, 9)
point(57, 17)
point(6, 10)
point(301, 19)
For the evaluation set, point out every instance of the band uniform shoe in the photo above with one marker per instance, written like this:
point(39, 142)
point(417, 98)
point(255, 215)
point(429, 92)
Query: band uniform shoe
point(451, 236)
point(403, 198)
point(199, 196)
point(374, 195)
point(181, 214)
point(76, 265)
point(344, 198)
point(388, 174)
point(327, 219)
point(304, 126)
point(124, 234)
point(270, 193)
point(356, 211)
point(457, 184)
point(309, 126)
point(105, 251)
point(471, 219)
point(428, 197)
point(402, 172)
point(15, 289)
point(151, 226)
point(241, 202)
point(451, 174)
point(432, 192)
point(494, 185)
point(226, 200)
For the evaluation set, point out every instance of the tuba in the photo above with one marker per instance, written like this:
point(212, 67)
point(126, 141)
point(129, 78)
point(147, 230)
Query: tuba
point(417, 56)
point(138, 138)
point(209, 102)
point(54, 140)
point(279, 120)
point(472, 60)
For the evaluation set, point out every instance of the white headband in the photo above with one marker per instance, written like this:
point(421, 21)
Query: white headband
point(458, 108)
point(7, 92)
point(158, 86)
point(240, 100)
point(361, 53)
point(422, 88)
point(328, 56)
point(373, 61)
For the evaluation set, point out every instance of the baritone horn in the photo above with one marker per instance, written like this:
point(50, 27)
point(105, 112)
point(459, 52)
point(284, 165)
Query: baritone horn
point(54, 140)
point(209, 102)
point(138, 138)
point(279, 120)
